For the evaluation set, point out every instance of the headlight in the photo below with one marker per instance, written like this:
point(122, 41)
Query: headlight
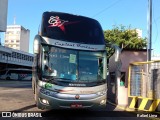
point(100, 93)
point(41, 83)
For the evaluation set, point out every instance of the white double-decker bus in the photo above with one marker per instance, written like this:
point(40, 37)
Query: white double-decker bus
point(70, 65)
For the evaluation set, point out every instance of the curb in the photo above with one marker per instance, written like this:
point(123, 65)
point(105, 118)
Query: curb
point(125, 108)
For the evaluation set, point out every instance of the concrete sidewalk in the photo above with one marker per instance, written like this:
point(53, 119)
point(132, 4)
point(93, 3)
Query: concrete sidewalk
point(120, 107)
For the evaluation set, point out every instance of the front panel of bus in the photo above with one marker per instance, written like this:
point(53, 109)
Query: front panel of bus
point(72, 69)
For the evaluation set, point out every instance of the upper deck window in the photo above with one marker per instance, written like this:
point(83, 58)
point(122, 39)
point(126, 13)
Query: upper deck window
point(72, 28)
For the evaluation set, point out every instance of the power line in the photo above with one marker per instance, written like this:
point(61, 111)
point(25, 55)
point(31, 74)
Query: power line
point(100, 12)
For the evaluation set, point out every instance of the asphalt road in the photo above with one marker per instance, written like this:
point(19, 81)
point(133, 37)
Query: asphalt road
point(17, 96)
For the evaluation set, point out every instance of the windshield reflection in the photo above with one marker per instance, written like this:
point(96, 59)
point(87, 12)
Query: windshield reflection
point(72, 65)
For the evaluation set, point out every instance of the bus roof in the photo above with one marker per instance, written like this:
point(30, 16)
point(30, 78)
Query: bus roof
point(55, 12)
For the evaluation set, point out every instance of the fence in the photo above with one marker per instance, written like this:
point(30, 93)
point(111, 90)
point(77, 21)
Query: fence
point(144, 85)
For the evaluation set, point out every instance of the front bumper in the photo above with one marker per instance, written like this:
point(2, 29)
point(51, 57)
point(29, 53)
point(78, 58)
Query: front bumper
point(60, 103)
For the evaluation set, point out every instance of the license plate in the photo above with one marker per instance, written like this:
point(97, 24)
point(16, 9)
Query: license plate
point(75, 105)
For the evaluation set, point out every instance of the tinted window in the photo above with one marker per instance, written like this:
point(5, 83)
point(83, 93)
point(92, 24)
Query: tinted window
point(71, 28)
point(3, 72)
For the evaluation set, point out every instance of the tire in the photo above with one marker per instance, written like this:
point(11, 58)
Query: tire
point(7, 78)
point(37, 102)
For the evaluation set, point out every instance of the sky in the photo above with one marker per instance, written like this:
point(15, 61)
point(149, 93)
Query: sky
point(108, 12)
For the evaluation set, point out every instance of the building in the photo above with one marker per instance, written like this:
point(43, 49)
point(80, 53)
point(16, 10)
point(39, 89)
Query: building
point(3, 15)
point(155, 56)
point(139, 32)
point(12, 58)
point(118, 92)
point(17, 37)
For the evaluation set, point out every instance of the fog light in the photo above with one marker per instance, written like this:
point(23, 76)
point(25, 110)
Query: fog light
point(103, 102)
point(44, 101)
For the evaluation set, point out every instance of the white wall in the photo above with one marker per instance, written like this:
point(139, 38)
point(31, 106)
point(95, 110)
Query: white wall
point(24, 40)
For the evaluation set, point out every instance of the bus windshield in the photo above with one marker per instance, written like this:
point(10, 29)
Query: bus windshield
point(66, 27)
point(72, 65)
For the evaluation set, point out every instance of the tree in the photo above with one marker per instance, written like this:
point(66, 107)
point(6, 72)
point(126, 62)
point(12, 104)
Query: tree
point(124, 38)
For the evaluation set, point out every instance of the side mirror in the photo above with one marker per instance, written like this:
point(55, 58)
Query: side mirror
point(36, 44)
point(117, 52)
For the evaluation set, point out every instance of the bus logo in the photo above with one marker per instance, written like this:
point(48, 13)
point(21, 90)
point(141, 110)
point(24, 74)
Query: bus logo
point(55, 21)
point(77, 97)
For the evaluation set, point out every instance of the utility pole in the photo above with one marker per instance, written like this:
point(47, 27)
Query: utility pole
point(149, 27)
point(149, 46)
point(0, 38)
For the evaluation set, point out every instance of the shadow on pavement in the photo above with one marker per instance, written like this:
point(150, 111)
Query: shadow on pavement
point(85, 113)
point(15, 84)
point(24, 108)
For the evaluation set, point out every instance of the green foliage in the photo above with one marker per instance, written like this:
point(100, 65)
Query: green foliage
point(124, 38)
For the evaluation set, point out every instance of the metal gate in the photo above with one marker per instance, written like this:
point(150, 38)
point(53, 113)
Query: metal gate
point(144, 86)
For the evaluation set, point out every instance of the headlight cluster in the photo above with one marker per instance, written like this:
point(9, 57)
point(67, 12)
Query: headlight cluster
point(100, 93)
point(41, 83)
point(47, 92)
